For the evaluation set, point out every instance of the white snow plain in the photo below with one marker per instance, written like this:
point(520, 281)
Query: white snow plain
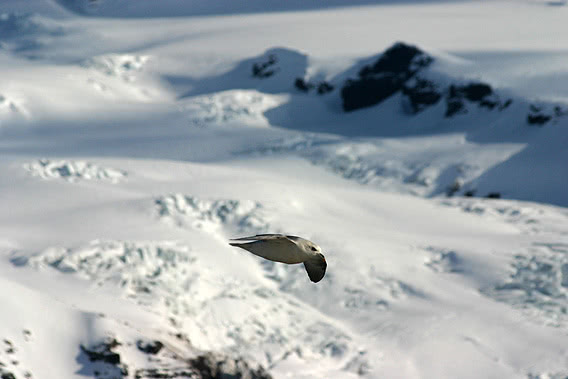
point(135, 141)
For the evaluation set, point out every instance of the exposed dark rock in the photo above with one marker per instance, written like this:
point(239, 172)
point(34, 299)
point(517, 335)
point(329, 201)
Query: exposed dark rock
point(421, 93)
point(488, 104)
point(401, 59)
point(305, 86)
point(470, 193)
point(454, 103)
point(542, 114)
point(455, 187)
point(480, 93)
point(302, 85)
point(150, 347)
point(216, 366)
point(537, 116)
point(493, 195)
point(385, 77)
point(161, 362)
point(357, 94)
point(476, 91)
point(505, 104)
point(263, 69)
point(6, 375)
point(538, 119)
point(103, 352)
point(324, 87)
point(165, 373)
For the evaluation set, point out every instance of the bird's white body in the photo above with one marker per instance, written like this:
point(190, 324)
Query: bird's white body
point(279, 251)
point(286, 249)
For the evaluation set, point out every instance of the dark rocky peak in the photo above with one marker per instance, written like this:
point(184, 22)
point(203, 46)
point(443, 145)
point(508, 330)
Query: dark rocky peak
point(401, 59)
point(385, 77)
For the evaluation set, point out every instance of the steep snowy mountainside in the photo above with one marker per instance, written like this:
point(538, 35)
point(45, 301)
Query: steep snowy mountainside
point(275, 89)
point(221, 299)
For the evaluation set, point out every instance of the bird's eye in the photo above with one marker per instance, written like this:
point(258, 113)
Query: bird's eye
point(314, 249)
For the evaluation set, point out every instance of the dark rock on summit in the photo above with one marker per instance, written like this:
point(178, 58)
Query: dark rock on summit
point(305, 86)
point(421, 93)
point(537, 116)
point(400, 59)
point(480, 93)
point(476, 92)
point(454, 102)
point(324, 87)
point(263, 69)
point(399, 69)
point(538, 119)
point(357, 94)
point(302, 85)
point(385, 77)
point(454, 106)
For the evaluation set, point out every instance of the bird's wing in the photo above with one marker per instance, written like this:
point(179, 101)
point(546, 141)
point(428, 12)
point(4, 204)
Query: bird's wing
point(274, 247)
point(316, 268)
point(267, 237)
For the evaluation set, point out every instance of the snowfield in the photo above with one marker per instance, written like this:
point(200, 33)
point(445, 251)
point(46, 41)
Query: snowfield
point(421, 144)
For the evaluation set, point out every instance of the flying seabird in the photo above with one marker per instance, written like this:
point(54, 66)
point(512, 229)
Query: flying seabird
point(286, 249)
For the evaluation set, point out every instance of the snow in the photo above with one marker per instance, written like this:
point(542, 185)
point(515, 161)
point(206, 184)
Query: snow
point(72, 170)
point(136, 140)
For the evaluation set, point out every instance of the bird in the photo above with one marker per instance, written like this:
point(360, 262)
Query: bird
point(286, 249)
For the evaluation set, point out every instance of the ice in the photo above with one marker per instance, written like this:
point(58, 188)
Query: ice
point(167, 278)
point(124, 66)
point(229, 108)
point(234, 216)
point(537, 285)
point(73, 171)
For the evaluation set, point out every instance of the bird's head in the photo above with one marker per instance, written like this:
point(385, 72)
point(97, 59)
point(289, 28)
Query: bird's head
point(313, 249)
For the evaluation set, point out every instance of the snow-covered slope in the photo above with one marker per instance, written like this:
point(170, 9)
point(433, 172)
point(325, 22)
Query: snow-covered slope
point(431, 171)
